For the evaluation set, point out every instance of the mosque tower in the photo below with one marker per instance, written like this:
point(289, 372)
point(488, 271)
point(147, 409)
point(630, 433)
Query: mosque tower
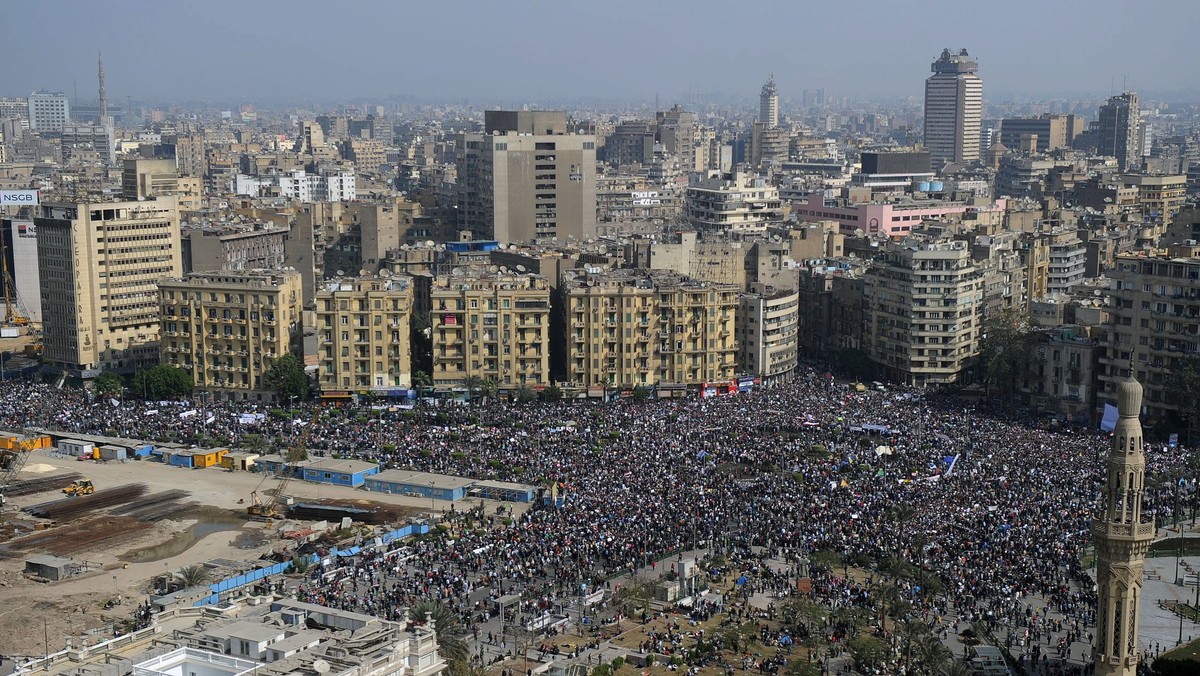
point(1122, 538)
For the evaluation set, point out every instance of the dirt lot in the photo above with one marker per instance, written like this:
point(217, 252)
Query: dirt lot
point(126, 565)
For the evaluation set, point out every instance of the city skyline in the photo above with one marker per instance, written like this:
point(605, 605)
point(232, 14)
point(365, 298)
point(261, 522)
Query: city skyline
point(271, 52)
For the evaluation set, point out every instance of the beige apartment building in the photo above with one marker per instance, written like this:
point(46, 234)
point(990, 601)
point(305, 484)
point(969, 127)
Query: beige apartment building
point(768, 332)
point(490, 325)
point(1155, 322)
point(923, 310)
point(99, 268)
point(629, 328)
point(362, 328)
point(612, 331)
point(143, 179)
point(733, 203)
point(697, 343)
point(226, 328)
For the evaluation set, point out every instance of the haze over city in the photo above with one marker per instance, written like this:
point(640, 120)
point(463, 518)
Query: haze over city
point(307, 50)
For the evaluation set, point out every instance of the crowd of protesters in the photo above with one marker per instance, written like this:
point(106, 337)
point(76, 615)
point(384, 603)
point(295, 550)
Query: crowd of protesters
point(996, 507)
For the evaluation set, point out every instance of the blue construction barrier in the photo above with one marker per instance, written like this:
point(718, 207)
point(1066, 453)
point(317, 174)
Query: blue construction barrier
point(257, 574)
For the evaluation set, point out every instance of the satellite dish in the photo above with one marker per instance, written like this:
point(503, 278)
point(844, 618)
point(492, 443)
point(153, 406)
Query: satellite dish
point(429, 242)
point(320, 666)
point(384, 272)
point(494, 268)
point(520, 268)
point(504, 269)
point(341, 273)
point(456, 271)
point(363, 272)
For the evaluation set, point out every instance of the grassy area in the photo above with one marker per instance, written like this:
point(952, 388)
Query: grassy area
point(1170, 547)
point(1183, 660)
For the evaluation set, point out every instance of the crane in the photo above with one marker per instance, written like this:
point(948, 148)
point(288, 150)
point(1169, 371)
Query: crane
point(13, 460)
point(15, 312)
point(274, 508)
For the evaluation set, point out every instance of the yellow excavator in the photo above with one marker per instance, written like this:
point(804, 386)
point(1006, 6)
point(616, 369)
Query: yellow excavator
point(80, 487)
point(275, 508)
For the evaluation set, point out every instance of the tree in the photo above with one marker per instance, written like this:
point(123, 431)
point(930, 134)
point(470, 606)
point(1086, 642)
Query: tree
point(451, 634)
point(1183, 390)
point(422, 380)
point(525, 394)
point(1005, 352)
point(641, 393)
point(853, 363)
point(287, 378)
point(420, 341)
point(107, 384)
point(932, 654)
point(162, 382)
point(552, 392)
point(192, 576)
point(488, 388)
point(902, 514)
point(474, 385)
point(868, 651)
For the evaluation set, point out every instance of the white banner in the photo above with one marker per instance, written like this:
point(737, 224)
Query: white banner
point(18, 198)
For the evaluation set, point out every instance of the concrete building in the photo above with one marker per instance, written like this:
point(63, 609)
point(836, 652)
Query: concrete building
point(99, 265)
point(895, 172)
point(362, 328)
point(733, 203)
point(49, 111)
point(1119, 132)
point(893, 217)
point(768, 104)
point(768, 327)
point(1068, 256)
point(274, 637)
point(525, 178)
point(490, 325)
point(923, 312)
point(1048, 132)
point(81, 141)
point(676, 130)
point(717, 261)
point(226, 328)
point(611, 328)
point(1062, 376)
point(232, 248)
point(1159, 198)
point(1122, 534)
point(19, 238)
point(631, 143)
point(144, 179)
point(953, 109)
point(1155, 324)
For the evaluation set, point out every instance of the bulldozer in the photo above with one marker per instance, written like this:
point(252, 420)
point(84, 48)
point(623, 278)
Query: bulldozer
point(80, 487)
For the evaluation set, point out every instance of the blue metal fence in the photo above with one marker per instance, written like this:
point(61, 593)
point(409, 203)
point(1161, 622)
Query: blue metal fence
point(257, 574)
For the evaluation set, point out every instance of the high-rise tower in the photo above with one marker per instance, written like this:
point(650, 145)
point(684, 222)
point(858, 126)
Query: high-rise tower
point(768, 104)
point(1121, 130)
point(1122, 538)
point(953, 109)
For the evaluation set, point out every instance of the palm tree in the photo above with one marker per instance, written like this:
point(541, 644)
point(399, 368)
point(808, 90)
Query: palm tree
point(192, 576)
point(957, 668)
point(451, 635)
point(489, 388)
point(933, 655)
point(474, 385)
point(911, 633)
point(902, 514)
point(889, 598)
point(525, 394)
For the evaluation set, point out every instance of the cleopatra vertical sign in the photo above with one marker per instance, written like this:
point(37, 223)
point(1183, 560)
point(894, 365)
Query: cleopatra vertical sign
point(19, 198)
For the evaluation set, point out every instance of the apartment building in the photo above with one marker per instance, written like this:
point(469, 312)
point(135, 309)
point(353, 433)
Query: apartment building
point(49, 111)
point(953, 109)
point(490, 325)
point(99, 264)
point(144, 179)
point(253, 247)
point(768, 327)
point(226, 328)
point(611, 328)
point(697, 343)
point(923, 311)
point(1155, 324)
point(738, 203)
point(362, 328)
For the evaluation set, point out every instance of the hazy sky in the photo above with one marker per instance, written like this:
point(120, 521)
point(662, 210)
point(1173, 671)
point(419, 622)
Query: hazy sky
point(561, 49)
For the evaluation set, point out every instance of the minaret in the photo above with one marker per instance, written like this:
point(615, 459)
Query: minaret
point(1122, 538)
point(103, 94)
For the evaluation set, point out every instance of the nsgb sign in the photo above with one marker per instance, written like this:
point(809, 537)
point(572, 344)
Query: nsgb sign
point(20, 198)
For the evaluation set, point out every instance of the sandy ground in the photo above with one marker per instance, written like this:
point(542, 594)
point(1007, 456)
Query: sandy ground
point(70, 609)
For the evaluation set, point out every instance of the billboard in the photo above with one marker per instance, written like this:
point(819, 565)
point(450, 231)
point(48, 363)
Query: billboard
point(18, 198)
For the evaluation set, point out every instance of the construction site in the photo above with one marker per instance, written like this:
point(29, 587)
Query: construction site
point(90, 531)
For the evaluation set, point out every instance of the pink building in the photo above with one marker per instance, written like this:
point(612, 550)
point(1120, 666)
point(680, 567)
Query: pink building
point(894, 219)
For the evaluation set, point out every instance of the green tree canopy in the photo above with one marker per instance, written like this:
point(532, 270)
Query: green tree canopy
point(107, 384)
point(287, 378)
point(1183, 390)
point(1005, 352)
point(162, 382)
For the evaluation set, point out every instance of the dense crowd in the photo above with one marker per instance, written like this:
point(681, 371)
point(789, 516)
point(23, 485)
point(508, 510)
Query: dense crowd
point(998, 506)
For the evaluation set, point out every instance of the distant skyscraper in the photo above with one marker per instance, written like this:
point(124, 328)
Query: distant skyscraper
point(1120, 133)
point(953, 109)
point(768, 104)
point(1122, 538)
point(48, 111)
